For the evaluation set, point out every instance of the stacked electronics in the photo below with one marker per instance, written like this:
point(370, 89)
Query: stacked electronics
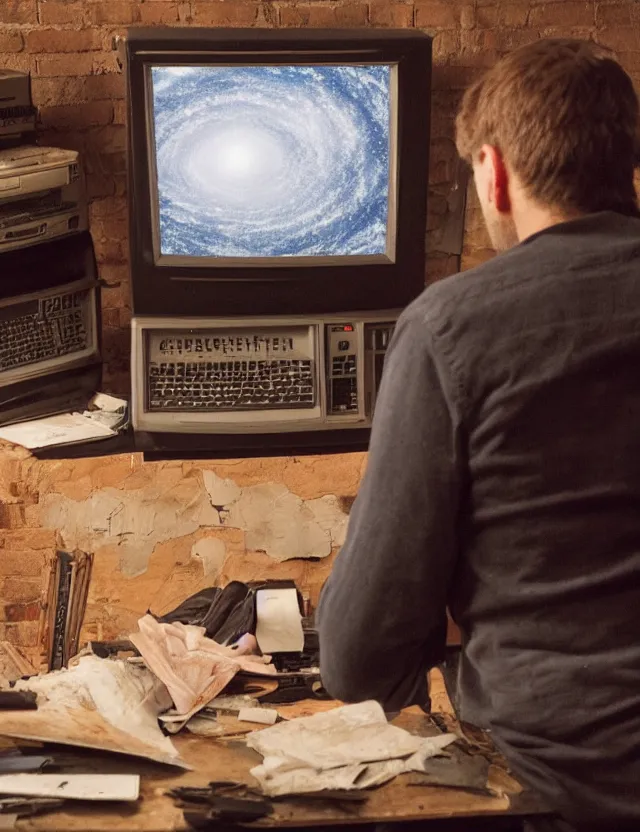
point(49, 292)
point(278, 187)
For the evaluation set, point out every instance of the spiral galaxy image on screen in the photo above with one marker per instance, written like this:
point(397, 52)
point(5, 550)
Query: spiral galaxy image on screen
point(272, 161)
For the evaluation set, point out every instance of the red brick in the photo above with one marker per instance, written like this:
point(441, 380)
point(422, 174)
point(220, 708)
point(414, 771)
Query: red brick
point(631, 63)
point(503, 14)
point(111, 228)
point(566, 13)
point(225, 13)
point(444, 14)
point(49, 92)
point(622, 38)
point(18, 11)
point(22, 612)
point(110, 209)
point(105, 63)
point(20, 590)
point(616, 14)
point(437, 211)
point(478, 48)
point(30, 539)
point(77, 116)
point(61, 12)
point(113, 274)
point(324, 15)
point(476, 257)
point(119, 112)
point(110, 250)
point(439, 266)
point(446, 44)
point(103, 87)
point(115, 297)
point(109, 139)
point(111, 318)
point(24, 634)
point(100, 185)
point(27, 563)
point(21, 61)
point(62, 40)
point(57, 65)
point(114, 11)
point(449, 77)
point(391, 15)
point(11, 42)
point(508, 39)
point(163, 14)
point(58, 138)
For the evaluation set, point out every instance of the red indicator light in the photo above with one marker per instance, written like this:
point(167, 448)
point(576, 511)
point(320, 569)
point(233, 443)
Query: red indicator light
point(348, 328)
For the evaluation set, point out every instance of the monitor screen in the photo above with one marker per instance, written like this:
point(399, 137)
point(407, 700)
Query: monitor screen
point(256, 162)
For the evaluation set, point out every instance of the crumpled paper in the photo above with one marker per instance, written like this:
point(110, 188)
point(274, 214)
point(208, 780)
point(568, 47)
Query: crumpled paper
point(193, 667)
point(353, 747)
point(128, 697)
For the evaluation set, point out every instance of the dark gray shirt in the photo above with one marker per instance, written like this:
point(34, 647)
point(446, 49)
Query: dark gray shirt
point(503, 481)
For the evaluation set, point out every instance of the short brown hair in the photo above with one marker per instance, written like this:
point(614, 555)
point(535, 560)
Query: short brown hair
point(564, 115)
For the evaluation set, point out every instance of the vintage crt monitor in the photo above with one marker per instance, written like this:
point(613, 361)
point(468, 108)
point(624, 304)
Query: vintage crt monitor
point(50, 359)
point(278, 184)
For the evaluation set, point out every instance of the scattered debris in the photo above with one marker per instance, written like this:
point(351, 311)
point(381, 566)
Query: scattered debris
point(22, 807)
point(352, 747)
point(295, 687)
point(194, 668)
point(66, 605)
point(103, 704)
point(109, 787)
point(13, 761)
point(13, 664)
point(458, 770)
point(15, 700)
point(264, 716)
point(222, 801)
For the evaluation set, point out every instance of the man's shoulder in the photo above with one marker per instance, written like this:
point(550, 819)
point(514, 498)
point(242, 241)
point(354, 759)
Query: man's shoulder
point(459, 293)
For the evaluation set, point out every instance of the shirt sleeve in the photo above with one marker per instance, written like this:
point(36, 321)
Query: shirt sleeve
point(382, 612)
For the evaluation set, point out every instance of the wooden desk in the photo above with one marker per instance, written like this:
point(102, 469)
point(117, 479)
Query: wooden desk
point(214, 759)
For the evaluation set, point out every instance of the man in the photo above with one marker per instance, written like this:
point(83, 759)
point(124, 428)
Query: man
point(503, 477)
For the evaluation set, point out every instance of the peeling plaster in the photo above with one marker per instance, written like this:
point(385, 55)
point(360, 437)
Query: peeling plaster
point(221, 492)
point(274, 520)
point(211, 551)
point(135, 521)
point(284, 526)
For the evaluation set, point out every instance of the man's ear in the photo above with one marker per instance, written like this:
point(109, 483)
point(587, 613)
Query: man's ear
point(496, 177)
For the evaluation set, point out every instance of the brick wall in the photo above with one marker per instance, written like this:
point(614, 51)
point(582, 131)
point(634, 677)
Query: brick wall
point(67, 45)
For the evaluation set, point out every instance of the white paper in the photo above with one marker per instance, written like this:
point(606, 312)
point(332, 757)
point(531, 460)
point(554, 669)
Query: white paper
point(55, 430)
point(128, 697)
point(194, 668)
point(278, 621)
point(265, 716)
point(72, 786)
point(352, 747)
point(110, 404)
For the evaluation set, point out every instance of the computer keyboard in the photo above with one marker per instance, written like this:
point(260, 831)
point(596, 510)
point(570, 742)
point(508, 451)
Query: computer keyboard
point(40, 330)
point(231, 385)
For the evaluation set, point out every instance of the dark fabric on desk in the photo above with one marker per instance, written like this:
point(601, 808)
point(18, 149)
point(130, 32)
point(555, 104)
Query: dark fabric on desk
point(504, 480)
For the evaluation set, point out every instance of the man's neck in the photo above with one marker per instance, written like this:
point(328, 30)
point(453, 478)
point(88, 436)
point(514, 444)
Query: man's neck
point(534, 218)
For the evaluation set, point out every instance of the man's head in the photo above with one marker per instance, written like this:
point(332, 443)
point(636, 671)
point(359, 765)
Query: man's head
point(552, 132)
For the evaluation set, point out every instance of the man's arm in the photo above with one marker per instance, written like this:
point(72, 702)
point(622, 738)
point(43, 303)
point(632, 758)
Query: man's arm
point(382, 613)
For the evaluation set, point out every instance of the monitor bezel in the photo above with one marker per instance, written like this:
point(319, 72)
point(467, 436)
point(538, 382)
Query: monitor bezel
point(161, 288)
